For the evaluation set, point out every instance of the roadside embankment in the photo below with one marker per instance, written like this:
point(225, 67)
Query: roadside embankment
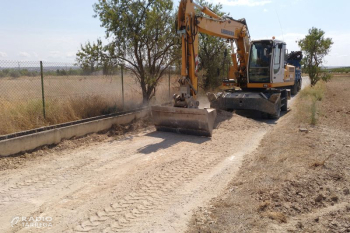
point(299, 178)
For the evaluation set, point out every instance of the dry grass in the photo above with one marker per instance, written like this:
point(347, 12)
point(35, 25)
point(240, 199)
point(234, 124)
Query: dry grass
point(68, 98)
point(309, 98)
point(277, 216)
point(24, 115)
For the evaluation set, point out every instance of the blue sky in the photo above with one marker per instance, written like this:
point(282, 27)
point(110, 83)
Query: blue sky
point(54, 30)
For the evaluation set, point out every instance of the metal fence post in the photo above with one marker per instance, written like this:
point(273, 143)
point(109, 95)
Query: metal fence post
point(122, 71)
point(42, 88)
point(169, 85)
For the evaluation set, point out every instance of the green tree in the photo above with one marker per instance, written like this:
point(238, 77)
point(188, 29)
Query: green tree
point(89, 57)
point(212, 53)
point(142, 38)
point(315, 47)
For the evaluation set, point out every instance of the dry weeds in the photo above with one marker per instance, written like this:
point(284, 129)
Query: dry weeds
point(69, 98)
point(309, 99)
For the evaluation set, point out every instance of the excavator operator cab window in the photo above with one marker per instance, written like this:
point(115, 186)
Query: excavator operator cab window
point(259, 62)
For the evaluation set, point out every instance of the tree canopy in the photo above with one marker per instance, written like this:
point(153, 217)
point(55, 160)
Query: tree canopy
point(142, 36)
point(212, 52)
point(315, 47)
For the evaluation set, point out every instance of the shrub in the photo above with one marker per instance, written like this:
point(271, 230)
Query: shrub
point(309, 98)
point(15, 73)
point(326, 77)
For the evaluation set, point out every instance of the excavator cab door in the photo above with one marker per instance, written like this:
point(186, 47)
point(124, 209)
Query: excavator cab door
point(277, 72)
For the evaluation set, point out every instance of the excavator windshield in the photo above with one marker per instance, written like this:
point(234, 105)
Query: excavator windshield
point(259, 62)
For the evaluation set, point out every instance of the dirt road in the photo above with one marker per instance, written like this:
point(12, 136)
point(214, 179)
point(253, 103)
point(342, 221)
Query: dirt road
point(146, 181)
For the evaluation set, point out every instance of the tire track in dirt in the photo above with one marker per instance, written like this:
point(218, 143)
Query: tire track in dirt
point(39, 185)
point(30, 186)
point(152, 196)
point(119, 186)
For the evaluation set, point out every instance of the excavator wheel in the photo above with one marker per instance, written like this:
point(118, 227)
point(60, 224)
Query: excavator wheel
point(294, 88)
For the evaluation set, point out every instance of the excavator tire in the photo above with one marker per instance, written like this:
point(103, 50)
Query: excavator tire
point(294, 89)
point(277, 114)
point(285, 105)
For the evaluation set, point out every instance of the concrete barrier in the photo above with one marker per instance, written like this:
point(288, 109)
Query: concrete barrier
point(54, 136)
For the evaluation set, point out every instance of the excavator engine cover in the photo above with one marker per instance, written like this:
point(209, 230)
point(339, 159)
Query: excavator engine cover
point(184, 120)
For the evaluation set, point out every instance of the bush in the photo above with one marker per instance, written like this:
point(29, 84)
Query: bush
point(310, 96)
point(5, 72)
point(326, 77)
point(15, 74)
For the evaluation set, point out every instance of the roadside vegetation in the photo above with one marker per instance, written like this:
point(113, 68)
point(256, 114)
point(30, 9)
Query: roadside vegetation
point(24, 115)
point(315, 47)
point(309, 101)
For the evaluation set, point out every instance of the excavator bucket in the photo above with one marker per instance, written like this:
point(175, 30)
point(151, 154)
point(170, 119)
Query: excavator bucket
point(184, 120)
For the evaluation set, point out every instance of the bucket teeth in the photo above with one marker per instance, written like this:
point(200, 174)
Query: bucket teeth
point(184, 120)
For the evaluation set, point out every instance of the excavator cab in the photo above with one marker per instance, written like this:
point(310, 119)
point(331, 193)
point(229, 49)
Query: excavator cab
point(266, 65)
point(269, 79)
point(260, 62)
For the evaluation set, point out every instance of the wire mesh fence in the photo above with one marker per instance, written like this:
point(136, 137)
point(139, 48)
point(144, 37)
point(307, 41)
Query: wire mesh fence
point(36, 94)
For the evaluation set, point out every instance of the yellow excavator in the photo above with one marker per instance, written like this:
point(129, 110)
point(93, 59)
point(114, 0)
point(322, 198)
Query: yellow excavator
point(260, 70)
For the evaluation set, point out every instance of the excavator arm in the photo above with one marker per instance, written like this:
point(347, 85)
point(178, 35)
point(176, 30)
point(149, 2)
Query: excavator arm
point(185, 117)
point(189, 25)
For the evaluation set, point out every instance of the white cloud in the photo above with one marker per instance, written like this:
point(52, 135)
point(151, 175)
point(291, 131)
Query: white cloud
point(35, 55)
point(291, 40)
point(3, 54)
point(24, 54)
point(243, 2)
point(266, 10)
point(70, 54)
point(338, 55)
point(55, 54)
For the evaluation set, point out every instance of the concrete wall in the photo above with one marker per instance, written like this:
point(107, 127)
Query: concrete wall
point(54, 136)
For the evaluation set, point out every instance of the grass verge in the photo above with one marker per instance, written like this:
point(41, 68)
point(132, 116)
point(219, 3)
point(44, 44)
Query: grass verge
point(25, 115)
point(308, 103)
